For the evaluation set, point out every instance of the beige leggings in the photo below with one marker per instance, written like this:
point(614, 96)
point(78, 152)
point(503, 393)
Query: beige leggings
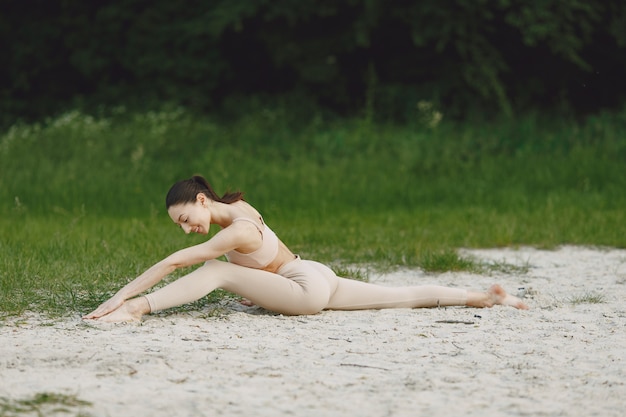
point(299, 287)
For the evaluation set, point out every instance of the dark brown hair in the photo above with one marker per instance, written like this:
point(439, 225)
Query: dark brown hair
point(185, 191)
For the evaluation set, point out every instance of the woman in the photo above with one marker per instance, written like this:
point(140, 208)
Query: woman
point(262, 269)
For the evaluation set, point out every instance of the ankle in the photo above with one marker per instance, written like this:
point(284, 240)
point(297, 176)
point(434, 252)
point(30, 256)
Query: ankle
point(138, 306)
point(479, 299)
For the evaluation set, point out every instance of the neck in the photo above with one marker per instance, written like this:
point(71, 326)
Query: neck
point(222, 214)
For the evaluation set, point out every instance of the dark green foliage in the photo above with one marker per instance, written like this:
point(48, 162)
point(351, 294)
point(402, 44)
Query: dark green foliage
point(381, 57)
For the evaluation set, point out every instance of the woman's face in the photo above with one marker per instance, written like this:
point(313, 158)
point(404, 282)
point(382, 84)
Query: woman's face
point(192, 217)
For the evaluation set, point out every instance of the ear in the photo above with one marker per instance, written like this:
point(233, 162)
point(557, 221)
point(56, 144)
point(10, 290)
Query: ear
point(201, 198)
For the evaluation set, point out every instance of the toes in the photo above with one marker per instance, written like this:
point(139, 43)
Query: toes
point(501, 297)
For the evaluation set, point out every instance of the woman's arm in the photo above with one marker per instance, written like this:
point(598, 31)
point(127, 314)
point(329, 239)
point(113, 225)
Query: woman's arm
point(230, 238)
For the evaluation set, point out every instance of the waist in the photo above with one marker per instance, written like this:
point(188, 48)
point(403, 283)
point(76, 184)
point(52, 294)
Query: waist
point(286, 266)
point(282, 258)
point(280, 262)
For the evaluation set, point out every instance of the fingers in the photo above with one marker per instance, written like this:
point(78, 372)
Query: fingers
point(97, 313)
point(93, 315)
point(105, 308)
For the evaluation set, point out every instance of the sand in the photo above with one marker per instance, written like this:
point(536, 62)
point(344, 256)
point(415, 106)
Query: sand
point(564, 357)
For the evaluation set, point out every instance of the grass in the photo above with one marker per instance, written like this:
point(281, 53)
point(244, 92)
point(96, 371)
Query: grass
point(447, 260)
point(44, 404)
point(588, 298)
point(81, 196)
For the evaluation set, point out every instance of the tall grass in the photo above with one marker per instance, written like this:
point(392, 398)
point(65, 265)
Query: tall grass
point(81, 196)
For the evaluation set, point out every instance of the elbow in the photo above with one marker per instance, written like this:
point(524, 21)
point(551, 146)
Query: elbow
point(178, 260)
point(171, 264)
point(173, 267)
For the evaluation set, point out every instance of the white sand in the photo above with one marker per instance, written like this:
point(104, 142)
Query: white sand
point(559, 358)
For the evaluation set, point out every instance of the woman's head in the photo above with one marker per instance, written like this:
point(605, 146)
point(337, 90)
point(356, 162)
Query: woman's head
point(190, 204)
point(186, 191)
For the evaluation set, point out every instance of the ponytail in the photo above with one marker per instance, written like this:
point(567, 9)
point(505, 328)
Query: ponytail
point(185, 191)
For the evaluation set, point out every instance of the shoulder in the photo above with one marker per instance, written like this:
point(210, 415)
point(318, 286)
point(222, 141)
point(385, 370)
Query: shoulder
point(245, 224)
point(243, 230)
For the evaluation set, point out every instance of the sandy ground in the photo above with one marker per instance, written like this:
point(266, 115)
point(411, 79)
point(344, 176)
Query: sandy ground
point(561, 358)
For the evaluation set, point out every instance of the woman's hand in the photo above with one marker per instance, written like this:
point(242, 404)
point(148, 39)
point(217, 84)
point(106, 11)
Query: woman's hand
point(105, 308)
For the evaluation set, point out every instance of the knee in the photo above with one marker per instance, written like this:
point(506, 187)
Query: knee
point(215, 267)
point(213, 263)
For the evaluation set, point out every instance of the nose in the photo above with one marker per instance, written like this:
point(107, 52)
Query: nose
point(186, 228)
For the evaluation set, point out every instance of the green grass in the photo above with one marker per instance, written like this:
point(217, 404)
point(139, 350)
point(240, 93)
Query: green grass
point(587, 298)
point(44, 404)
point(81, 197)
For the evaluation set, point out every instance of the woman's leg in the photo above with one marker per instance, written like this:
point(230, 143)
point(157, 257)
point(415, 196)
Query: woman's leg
point(304, 293)
point(357, 295)
point(307, 287)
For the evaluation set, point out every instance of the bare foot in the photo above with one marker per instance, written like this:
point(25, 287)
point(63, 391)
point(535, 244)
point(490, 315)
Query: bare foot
point(500, 297)
point(130, 311)
point(494, 296)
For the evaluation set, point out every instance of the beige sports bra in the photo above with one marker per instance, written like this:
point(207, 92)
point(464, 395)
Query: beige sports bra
point(261, 257)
